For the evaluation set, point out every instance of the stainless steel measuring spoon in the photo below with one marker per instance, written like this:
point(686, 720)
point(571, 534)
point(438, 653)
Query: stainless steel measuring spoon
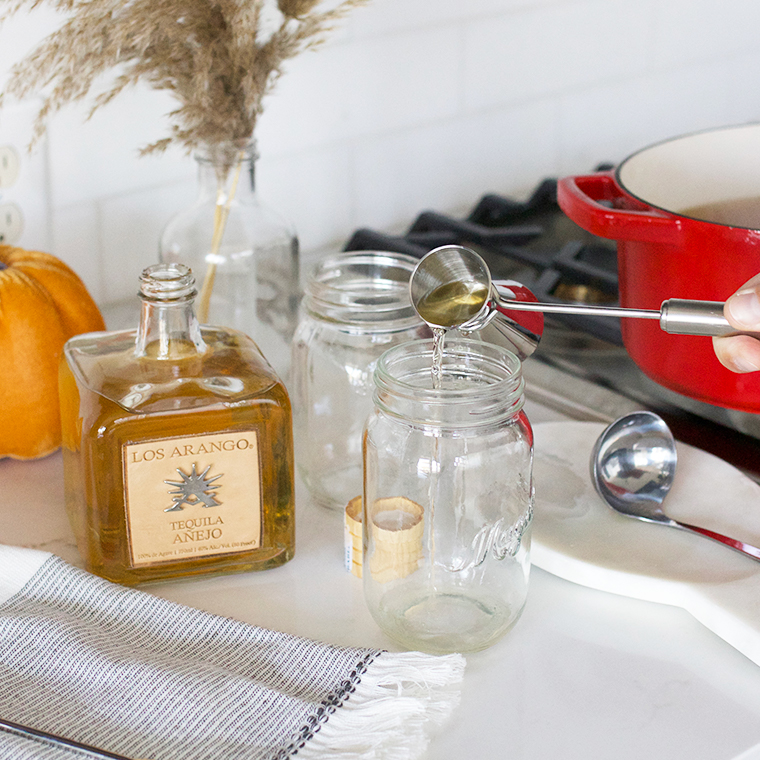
point(451, 287)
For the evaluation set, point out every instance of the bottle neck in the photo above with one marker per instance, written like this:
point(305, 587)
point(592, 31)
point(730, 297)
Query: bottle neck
point(168, 326)
point(226, 172)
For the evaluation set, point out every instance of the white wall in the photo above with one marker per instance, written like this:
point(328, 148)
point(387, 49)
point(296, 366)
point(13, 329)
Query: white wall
point(413, 104)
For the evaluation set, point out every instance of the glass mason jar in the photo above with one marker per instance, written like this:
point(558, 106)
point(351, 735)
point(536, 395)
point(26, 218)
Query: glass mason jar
point(244, 255)
point(355, 306)
point(448, 496)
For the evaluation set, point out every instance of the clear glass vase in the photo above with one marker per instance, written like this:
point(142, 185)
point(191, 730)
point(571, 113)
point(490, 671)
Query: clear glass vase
point(243, 255)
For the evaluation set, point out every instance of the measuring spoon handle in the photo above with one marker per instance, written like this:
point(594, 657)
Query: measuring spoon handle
point(679, 316)
point(732, 543)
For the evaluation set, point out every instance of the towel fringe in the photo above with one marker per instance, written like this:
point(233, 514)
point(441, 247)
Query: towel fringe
point(400, 698)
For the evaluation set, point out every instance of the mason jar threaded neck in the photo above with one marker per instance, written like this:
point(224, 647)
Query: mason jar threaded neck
point(363, 291)
point(481, 384)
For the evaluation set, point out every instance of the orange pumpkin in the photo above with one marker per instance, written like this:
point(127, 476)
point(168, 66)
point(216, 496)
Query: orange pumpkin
point(42, 304)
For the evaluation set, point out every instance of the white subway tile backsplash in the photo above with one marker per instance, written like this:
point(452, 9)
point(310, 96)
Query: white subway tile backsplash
point(131, 226)
point(450, 165)
point(404, 80)
point(363, 87)
point(77, 241)
point(411, 104)
point(100, 156)
point(706, 95)
point(695, 30)
point(312, 190)
point(309, 104)
point(605, 123)
point(548, 50)
point(21, 33)
point(611, 121)
point(380, 18)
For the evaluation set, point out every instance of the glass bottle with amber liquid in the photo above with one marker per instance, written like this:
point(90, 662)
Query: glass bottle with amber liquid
point(177, 444)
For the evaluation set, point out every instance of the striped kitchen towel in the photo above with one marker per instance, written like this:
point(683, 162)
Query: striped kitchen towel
point(136, 675)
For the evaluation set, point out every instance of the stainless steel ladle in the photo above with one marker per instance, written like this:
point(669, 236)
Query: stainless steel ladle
point(633, 464)
point(458, 276)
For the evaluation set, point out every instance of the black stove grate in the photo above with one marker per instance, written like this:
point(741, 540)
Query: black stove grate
point(530, 241)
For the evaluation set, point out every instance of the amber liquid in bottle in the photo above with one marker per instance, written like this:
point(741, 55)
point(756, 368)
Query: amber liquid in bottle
point(178, 451)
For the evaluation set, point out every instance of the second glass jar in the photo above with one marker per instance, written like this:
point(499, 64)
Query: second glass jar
point(356, 306)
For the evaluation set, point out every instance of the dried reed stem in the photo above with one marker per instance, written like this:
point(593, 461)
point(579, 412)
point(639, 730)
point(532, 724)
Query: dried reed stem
point(221, 214)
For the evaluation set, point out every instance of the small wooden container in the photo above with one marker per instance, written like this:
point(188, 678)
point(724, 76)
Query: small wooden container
point(398, 531)
point(352, 536)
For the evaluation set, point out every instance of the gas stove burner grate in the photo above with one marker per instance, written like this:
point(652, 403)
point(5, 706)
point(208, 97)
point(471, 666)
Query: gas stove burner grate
point(530, 241)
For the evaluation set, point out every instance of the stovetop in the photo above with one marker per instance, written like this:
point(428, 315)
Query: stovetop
point(580, 364)
point(531, 241)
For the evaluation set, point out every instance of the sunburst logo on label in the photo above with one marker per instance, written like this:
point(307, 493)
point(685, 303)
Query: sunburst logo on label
point(194, 488)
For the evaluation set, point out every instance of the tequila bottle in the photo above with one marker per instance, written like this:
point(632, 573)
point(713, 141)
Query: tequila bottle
point(177, 444)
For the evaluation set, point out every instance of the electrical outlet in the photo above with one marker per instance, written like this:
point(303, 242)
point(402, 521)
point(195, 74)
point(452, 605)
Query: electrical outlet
point(9, 165)
point(11, 224)
point(25, 217)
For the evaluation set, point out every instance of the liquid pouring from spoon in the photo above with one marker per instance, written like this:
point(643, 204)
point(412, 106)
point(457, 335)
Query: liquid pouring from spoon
point(633, 464)
point(451, 287)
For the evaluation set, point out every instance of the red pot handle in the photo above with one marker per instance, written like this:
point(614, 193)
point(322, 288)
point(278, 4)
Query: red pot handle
point(630, 219)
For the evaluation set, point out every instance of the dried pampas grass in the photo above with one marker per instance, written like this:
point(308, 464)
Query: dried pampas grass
point(219, 58)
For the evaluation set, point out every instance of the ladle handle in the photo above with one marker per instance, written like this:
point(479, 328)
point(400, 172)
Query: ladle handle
point(733, 543)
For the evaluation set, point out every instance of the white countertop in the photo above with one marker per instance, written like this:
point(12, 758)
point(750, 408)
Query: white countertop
point(584, 674)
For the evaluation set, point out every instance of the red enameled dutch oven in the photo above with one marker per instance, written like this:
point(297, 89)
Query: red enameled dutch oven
point(646, 205)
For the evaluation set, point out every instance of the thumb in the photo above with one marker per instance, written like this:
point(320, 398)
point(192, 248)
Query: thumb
point(742, 309)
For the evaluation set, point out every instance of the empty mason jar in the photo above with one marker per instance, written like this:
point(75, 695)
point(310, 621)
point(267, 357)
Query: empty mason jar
point(448, 496)
point(355, 306)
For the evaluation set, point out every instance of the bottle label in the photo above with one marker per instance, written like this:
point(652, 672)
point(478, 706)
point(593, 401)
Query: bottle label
point(192, 496)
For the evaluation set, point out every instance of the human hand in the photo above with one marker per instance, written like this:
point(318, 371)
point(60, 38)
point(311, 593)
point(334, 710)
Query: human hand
point(741, 353)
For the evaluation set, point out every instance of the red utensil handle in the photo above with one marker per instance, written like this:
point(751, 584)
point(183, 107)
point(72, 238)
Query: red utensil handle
point(589, 201)
point(533, 321)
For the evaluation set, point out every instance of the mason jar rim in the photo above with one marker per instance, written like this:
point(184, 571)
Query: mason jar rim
point(363, 291)
point(403, 382)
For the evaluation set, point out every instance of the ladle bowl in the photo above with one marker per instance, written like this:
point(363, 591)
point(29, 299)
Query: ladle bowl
point(633, 465)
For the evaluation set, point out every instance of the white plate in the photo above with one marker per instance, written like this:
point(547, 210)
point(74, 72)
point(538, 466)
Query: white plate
point(578, 537)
